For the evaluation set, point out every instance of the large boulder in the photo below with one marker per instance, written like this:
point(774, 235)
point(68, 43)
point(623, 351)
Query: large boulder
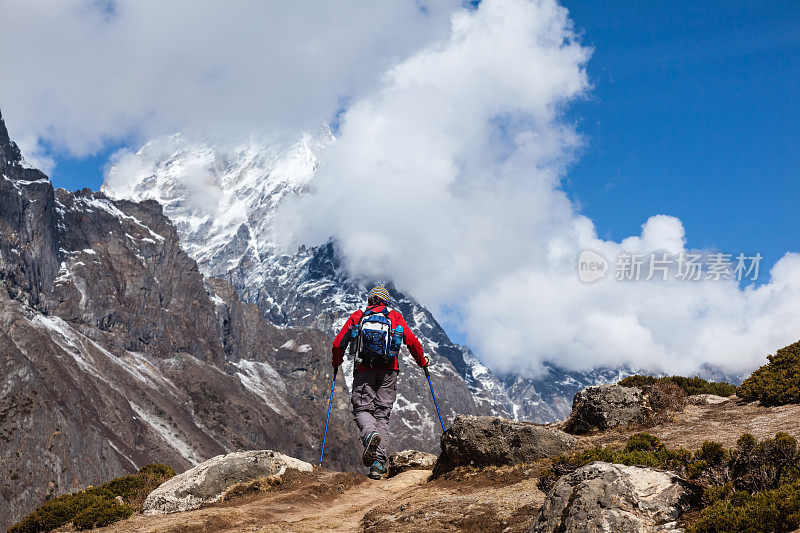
point(615, 498)
point(410, 460)
point(208, 482)
point(486, 440)
point(608, 406)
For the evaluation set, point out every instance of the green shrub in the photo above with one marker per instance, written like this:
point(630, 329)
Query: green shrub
point(710, 464)
point(639, 380)
point(54, 513)
point(96, 506)
point(746, 442)
point(777, 382)
point(690, 386)
point(643, 442)
point(765, 465)
point(157, 471)
point(101, 514)
point(698, 385)
point(776, 510)
point(696, 469)
point(715, 493)
point(713, 453)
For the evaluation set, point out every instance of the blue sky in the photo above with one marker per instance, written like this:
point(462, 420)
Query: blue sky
point(693, 113)
point(79, 172)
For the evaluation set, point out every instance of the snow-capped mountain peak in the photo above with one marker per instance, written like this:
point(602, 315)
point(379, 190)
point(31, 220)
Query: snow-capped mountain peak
point(213, 194)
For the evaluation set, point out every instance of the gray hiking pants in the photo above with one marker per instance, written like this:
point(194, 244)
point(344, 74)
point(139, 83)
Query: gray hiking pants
point(373, 396)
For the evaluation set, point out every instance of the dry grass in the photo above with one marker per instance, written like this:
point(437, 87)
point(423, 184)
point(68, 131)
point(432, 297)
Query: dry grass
point(667, 398)
point(248, 488)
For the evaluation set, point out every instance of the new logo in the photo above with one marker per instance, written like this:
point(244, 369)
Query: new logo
point(591, 266)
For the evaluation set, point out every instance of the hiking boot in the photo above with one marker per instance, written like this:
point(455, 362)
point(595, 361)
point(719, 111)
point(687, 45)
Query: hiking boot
point(371, 444)
point(377, 470)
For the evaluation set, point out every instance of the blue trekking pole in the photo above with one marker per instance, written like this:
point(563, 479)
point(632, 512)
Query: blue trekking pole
point(335, 370)
point(428, 375)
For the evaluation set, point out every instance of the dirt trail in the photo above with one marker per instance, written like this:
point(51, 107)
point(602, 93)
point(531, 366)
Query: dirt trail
point(345, 512)
point(323, 500)
point(331, 501)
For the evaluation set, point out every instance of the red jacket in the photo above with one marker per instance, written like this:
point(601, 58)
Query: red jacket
point(396, 319)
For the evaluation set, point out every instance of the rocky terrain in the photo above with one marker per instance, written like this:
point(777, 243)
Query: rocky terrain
point(596, 497)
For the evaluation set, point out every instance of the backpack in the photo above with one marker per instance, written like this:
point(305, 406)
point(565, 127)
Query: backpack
point(376, 339)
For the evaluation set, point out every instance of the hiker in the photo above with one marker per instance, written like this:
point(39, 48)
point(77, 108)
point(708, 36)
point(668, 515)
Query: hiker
point(375, 336)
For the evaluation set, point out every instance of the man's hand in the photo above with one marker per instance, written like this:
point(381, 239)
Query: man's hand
point(425, 362)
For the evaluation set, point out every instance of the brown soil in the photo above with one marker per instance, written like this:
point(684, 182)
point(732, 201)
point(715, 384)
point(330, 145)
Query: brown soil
point(466, 499)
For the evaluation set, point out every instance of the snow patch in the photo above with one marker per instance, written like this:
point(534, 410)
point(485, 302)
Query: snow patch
point(168, 434)
point(293, 346)
point(122, 454)
point(263, 380)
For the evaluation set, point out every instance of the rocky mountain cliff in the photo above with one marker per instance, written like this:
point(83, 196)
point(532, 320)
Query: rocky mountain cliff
point(224, 200)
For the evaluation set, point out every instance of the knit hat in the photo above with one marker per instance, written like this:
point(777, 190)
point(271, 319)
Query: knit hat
point(380, 292)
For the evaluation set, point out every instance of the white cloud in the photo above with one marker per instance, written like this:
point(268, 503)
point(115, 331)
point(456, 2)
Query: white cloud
point(35, 154)
point(447, 179)
point(79, 73)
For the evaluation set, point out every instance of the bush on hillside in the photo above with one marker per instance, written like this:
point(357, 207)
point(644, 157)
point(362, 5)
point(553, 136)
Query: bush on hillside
point(765, 465)
point(103, 513)
point(96, 506)
point(665, 397)
point(777, 382)
point(713, 453)
point(690, 386)
point(775, 510)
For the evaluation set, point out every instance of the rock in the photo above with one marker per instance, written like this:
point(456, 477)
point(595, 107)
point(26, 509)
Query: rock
point(208, 482)
point(485, 441)
point(410, 460)
point(706, 399)
point(606, 407)
point(615, 498)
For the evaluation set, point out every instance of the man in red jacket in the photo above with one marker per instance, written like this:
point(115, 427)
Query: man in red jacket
point(376, 334)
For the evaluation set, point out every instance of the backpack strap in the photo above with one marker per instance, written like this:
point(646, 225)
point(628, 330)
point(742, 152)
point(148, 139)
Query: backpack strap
point(369, 312)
